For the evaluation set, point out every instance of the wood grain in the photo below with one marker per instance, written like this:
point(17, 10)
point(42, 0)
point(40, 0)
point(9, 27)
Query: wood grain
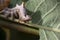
point(4, 4)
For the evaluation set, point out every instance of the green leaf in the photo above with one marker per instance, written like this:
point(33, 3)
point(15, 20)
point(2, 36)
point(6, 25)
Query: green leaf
point(49, 16)
point(46, 13)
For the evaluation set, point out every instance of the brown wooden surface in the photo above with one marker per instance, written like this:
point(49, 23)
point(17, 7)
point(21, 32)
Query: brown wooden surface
point(4, 3)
